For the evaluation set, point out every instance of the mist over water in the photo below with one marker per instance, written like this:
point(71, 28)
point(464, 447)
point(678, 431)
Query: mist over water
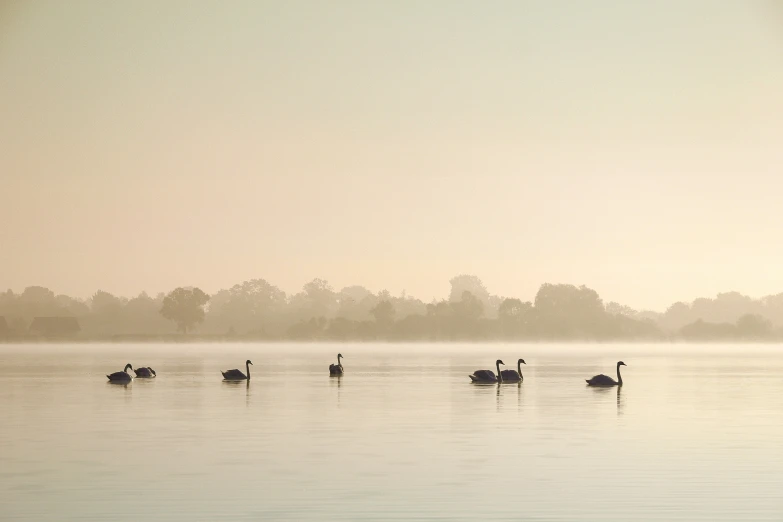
point(694, 433)
point(424, 187)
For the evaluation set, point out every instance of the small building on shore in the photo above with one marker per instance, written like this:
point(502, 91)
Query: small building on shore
point(55, 327)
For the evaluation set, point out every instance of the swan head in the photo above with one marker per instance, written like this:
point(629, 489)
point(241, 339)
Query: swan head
point(248, 362)
point(621, 363)
point(339, 356)
point(500, 362)
point(127, 366)
point(153, 372)
point(521, 361)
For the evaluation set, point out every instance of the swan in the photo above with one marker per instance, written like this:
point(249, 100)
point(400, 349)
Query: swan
point(146, 373)
point(486, 376)
point(237, 375)
point(337, 369)
point(123, 376)
point(514, 376)
point(605, 380)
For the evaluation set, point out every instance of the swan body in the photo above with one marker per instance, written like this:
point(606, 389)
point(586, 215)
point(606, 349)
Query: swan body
point(145, 373)
point(487, 376)
point(121, 377)
point(513, 375)
point(337, 369)
point(605, 380)
point(237, 375)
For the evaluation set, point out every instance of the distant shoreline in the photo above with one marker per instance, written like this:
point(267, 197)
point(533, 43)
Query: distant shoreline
point(256, 311)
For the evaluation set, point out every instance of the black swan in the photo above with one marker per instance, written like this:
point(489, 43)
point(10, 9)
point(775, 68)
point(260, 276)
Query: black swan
point(337, 369)
point(145, 373)
point(605, 380)
point(487, 376)
point(123, 376)
point(514, 375)
point(237, 375)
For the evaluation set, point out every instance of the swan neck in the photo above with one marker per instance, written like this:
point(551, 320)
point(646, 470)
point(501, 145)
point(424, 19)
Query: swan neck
point(247, 367)
point(619, 377)
point(519, 369)
point(500, 375)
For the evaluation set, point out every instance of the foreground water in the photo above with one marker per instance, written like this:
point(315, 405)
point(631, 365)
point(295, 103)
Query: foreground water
point(696, 433)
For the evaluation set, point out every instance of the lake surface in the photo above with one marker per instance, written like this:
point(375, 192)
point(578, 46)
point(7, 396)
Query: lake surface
point(695, 433)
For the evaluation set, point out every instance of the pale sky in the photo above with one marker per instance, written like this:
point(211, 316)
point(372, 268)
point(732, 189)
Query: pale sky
point(634, 147)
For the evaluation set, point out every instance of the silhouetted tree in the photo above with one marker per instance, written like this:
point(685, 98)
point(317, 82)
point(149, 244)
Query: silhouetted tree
point(614, 308)
point(515, 317)
point(250, 306)
point(74, 307)
point(355, 303)
point(406, 305)
point(753, 326)
point(312, 329)
point(676, 316)
point(36, 294)
point(567, 311)
point(106, 315)
point(184, 306)
point(141, 315)
point(317, 299)
point(469, 308)
point(383, 313)
point(37, 301)
point(700, 330)
point(440, 317)
point(470, 283)
point(413, 327)
point(355, 292)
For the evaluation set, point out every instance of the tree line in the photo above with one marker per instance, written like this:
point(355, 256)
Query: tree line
point(259, 310)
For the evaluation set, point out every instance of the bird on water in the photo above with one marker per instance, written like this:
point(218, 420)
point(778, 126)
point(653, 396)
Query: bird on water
point(488, 376)
point(513, 375)
point(237, 375)
point(121, 377)
point(605, 380)
point(145, 373)
point(337, 369)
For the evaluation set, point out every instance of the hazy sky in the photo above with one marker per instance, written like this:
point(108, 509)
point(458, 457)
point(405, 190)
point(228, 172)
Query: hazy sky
point(635, 147)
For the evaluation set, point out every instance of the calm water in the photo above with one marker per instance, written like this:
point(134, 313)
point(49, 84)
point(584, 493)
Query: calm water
point(696, 433)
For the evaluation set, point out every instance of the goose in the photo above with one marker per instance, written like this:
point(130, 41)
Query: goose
point(514, 376)
point(145, 373)
point(237, 375)
point(486, 376)
point(121, 377)
point(337, 369)
point(605, 380)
